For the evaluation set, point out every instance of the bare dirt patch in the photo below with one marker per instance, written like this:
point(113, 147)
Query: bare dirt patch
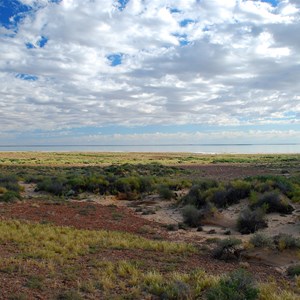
point(230, 171)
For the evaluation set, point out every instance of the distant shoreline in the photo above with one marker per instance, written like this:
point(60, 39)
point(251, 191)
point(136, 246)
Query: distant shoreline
point(242, 148)
point(155, 145)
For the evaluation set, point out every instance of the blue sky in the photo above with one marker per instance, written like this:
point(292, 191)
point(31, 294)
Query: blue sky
point(133, 71)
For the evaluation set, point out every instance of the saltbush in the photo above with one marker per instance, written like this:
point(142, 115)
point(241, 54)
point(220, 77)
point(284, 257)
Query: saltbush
point(270, 182)
point(227, 249)
point(273, 202)
point(261, 240)
point(10, 183)
point(10, 196)
point(250, 221)
point(191, 215)
point(238, 285)
point(237, 190)
point(217, 195)
point(196, 194)
point(294, 270)
point(195, 197)
point(165, 192)
point(56, 186)
point(286, 241)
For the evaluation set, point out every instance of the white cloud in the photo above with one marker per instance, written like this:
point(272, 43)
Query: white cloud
point(238, 63)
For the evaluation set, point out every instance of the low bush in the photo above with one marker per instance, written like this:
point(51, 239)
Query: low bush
point(295, 194)
point(195, 197)
point(273, 202)
point(250, 221)
point(238, 285)
point(261, 240)
point(56, 186)
point(146, 184)
point(92, 183)
point(294, 270)
point(271, 182)
point(10, 196)
point(286, 241)
point(165, 192)
point(127, 184)
point(10, 182)
point(191, 215)
point(228, 249)
point(217, 195)
point(237, 190)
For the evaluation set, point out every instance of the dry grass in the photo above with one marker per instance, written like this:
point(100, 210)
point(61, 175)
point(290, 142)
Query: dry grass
point(107, 158)
point(59, 243)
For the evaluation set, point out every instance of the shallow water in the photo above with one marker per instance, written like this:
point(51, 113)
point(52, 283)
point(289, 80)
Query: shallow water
point(192, 148)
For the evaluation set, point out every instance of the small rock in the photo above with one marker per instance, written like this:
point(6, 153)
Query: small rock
point(200, 228)
point(212, 231)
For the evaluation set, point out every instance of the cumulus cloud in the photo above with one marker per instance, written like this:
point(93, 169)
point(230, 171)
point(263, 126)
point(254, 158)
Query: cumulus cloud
point(227, 63)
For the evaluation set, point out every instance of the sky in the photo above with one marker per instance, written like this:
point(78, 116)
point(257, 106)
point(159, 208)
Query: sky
point(112, 72)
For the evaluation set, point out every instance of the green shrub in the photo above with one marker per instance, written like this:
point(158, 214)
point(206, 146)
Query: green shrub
point(273, 202)
point(237, 190)
point(260, 240)
point(55, 185)
point(227, 249)
point(271, 182)
point(294, 270)
point(217, 195)
point(250, 221)
point(165, 192)
point(191, 215)
point(77, 183)
point(177, 290)
point(238, 285)
point(10, 196)
point(263, 187)
point(295, 193)
point(206, 184)
point(195, 197)
point(10, 183)
point(286, 241)
point(232, 193)
point(127, 184)
point(146, 184)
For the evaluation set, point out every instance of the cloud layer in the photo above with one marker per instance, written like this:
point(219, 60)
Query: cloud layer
point(77, 63)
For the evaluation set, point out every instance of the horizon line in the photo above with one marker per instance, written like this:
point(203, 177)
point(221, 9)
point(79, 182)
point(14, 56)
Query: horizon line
point(151, 145)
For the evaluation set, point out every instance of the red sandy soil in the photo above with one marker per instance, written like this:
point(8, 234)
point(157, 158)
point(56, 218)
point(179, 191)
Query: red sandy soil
point(94, 216)
point(85, 215)
point(81, 215)
point(230, 171)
